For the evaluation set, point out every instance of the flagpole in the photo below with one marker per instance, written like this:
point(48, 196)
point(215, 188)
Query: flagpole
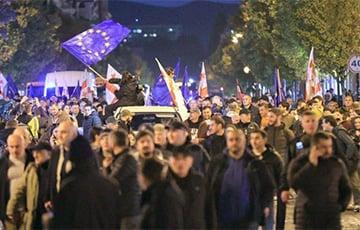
point(99, 75)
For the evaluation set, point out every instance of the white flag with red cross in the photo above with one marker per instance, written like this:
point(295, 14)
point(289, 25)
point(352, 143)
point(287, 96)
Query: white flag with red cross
point(111, 88)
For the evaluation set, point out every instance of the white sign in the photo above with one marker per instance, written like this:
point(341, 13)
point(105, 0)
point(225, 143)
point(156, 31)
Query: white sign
point(354, 64)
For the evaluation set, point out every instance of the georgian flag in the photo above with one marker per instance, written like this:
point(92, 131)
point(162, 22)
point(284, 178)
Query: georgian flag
point(203, 87)
point(111, 88)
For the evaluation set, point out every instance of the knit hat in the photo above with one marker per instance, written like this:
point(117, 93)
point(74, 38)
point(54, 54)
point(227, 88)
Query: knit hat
point(80, 150)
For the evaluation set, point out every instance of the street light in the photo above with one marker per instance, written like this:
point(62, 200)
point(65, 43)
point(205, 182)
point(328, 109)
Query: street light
point(247, 69)
point(235, 40)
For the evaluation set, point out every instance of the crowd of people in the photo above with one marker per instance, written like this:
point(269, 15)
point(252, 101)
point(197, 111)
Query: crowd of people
point(73, 164)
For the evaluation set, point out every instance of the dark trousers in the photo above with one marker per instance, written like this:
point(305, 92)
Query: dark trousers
point(280, 213)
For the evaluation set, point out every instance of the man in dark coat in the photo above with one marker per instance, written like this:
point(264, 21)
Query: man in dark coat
point(322, 184)
point(243, 189)
point(123, 169)
point(247, 104)
point(198, 211)
point(215, 143)
point(86, 199)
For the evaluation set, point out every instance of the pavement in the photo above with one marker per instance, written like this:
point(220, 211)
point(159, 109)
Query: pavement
point(350, 219)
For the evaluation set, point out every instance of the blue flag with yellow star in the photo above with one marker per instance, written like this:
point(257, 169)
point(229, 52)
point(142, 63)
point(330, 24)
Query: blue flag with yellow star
point(94, 44)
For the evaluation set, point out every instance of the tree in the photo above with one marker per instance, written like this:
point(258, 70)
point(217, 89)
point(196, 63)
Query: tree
point(31, 42)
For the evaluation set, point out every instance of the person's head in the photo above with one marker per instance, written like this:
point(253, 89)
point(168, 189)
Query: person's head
point(99, 108)
point(75, 109)
point(67, 109)
point(274, 117)
point(301, 104)
point(356, 123)
point(206, 113)
point(150, 173)
point(290, 101)
point(258, 139)
point(194, 115)
point(245, 116)
point(146, 126)
point(16, 146)
point(332, 106)
point(309, 122)
point(81, 154)
point(66, 132)
point(246, 100)
point(193, 104)
point(144, 143)
point(323, 143)
point(41, 152)
point(54, 109)
point(177, 133)
point(328, 123)
point(170, 71)
point(24, 132)
point(104, 141)
point(111, 123)
point(160, 134)
point(126, 116)
point(235, 141)
point(264, 109)
point(118, 138)
point(348, 101)
point(95, 133)
point(217, 125)
point(181, 161)
point(11, 124)
point(284, 107)
point(88, 109)
point(131, 136)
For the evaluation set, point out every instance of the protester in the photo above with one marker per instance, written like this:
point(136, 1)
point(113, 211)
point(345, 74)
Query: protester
point(145, 147)
point(314, 175)
point(215, 143)
point(26, 206)
point(91, 119)
point(122, 168)
point(243, 189)
point(86, 200)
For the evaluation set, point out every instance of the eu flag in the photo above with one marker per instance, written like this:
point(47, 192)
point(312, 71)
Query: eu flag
point(184, 87)
point(94, 44)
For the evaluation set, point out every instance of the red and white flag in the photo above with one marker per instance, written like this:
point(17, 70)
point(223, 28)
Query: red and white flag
point(86, 91)
point(57, 90)
point(65, 92)
point(239, 93)
point(312, 84)
point(203, 87)
point(3, 83)
point(175, 92)
point(111, 88)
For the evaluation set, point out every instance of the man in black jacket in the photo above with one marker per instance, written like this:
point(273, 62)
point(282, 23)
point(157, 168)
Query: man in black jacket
point(198, 211)
point(243, 189)
point(123, 170)
point(274, 165)
point(86, 200)
point(215, 143)
point(322, 185)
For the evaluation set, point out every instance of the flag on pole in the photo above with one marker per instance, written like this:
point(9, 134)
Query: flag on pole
point(279, 94)
point(111, 88)
point(65, 92)
point(86, 91)
point(160, 92)
point(203, 88)
point(239, 92)
point(57, 89)
point(31, 91)
point(94, 44)
point(76, 92)
point(3, 83)
point(312, 84)
point(10, 89)
point(184, 87)
point(175, 93)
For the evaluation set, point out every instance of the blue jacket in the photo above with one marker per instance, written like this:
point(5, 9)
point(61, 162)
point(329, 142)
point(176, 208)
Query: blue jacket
point(90, 121)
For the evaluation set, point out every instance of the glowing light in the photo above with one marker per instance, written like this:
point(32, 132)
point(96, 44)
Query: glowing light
point(247, 69)
point(235, 40)
point(170, 29)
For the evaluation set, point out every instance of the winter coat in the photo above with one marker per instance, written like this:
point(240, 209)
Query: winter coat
point(215, 144)
point(90, 121)
point(5, 183)
point(86, 201)
point(323, 191)
point(26, 196)
point(123, 171)
point(261, 184)
point(280, 138)
point(129, 94)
